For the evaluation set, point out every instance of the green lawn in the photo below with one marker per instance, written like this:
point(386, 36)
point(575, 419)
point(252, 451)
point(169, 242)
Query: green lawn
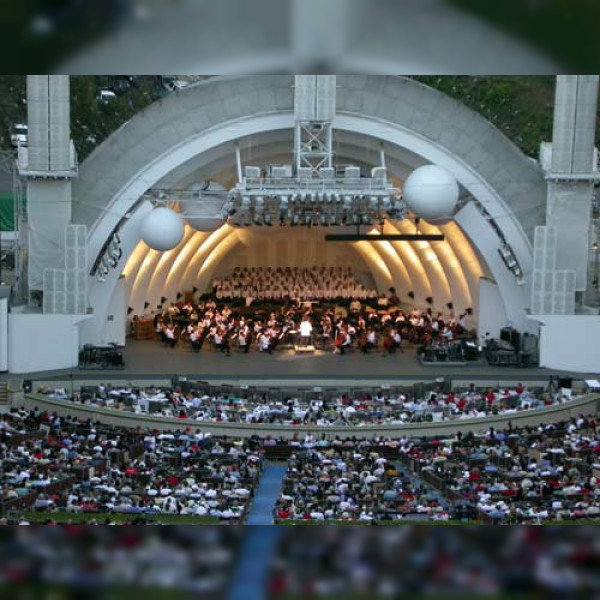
point(63, 517)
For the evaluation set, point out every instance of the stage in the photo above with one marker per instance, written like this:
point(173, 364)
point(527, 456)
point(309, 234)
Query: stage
point(147, 360)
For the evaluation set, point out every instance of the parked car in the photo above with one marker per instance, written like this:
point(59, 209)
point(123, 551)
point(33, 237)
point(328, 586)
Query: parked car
point(106, 96)
point(18, 137)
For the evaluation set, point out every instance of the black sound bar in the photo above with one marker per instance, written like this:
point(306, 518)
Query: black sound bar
point(385, 237)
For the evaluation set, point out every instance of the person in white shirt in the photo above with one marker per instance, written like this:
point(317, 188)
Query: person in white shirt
point(305, 331)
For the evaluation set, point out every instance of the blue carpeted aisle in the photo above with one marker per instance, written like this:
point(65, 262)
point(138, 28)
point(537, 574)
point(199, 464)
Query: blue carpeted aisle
point(269, 490)
point(251, 576)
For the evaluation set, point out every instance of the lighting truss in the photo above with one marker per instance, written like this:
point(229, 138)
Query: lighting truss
point(333, 197)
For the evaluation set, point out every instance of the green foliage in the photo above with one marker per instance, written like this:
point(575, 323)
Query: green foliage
point(12, 106)
point(566, 29)
point(92, 121)
point(521, 107)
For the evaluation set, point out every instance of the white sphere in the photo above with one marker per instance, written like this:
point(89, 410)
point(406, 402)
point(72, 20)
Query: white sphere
point(162, 229)
point(205, 214)
point(431, 192)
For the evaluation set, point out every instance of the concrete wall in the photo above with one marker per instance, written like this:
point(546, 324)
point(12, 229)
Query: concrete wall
point(570, 342)
point(38, 342)
point(492, 314)
point(586, 406)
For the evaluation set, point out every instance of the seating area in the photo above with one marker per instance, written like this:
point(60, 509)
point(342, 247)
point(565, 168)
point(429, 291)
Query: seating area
point(529, 475)
point(395, 405)
point(62, 467)
point(415, 561)
point(119, 562)
point(341, 483)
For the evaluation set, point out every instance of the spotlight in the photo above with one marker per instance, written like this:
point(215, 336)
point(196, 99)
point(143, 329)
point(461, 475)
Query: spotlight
point(595, 247)
point(100, 276)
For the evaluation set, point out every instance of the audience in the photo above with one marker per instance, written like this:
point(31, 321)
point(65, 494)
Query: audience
point(83, 467)
point(333, 408)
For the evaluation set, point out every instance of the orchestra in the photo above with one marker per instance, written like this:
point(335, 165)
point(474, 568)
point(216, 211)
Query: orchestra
point(340, 328)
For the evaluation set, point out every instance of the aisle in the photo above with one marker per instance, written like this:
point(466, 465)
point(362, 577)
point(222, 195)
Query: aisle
point(266, 495)
point(251, 574)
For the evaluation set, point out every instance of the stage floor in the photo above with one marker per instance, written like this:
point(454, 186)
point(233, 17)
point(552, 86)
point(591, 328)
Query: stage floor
point(148, 359)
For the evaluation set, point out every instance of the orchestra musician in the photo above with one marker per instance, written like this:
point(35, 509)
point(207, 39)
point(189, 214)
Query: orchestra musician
point(367, 341)
point(343, 341)
point(392, 342)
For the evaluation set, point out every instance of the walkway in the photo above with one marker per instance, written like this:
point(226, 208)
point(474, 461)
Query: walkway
point(251, 575)
point(269, 490)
